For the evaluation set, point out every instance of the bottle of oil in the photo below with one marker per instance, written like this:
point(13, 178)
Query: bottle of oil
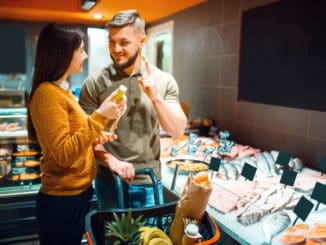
point(122, 90)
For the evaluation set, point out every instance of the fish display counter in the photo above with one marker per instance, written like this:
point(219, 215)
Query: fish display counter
point(249, 224)
point(263, 210)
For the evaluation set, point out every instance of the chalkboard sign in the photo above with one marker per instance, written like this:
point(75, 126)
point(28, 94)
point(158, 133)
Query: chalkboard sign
point(12, 50)
point(283, 54)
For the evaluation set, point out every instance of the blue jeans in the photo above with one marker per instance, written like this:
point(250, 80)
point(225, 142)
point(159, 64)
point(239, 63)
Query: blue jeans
point(135, 196)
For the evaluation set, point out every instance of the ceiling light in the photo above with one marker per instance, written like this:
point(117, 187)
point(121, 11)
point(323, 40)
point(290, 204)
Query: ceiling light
point(87, 4)
point(98, 16)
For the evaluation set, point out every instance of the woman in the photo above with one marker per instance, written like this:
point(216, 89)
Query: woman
point(65, 134)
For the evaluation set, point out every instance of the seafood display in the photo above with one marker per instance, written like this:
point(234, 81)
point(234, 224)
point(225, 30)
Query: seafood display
point(262, 201)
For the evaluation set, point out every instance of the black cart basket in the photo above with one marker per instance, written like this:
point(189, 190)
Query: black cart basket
point(160, 216)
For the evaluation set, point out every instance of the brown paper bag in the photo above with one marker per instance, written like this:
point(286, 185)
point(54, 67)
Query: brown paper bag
point(192, 204)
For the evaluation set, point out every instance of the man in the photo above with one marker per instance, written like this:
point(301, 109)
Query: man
point(152, 101)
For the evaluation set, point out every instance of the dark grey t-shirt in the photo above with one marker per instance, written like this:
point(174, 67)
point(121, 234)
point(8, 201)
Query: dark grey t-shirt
point(138, 129)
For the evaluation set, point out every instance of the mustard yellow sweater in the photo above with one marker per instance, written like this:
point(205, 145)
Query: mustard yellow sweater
point(65, 133)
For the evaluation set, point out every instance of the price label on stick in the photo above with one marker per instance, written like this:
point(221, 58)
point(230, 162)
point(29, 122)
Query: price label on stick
point(223, 135)
point(323, 164)
point(283, 159)
point(248, 171)
point(319, 193)
point(288, 177)
point(209, 150)
point(191, 150)
point(214, 165)
point(192, 138)
point(174, 150)
point(302, 209)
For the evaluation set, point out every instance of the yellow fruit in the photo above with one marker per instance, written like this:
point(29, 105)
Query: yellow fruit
point(159, 241)
point(150, 233)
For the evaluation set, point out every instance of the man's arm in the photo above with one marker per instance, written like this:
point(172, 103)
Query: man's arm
point(171, 116)
point(125, 170)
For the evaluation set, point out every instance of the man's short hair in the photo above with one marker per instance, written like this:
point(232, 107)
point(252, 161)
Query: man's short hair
point(127, 17)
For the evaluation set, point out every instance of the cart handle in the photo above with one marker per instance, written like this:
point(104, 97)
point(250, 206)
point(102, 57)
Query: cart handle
point(143, 171)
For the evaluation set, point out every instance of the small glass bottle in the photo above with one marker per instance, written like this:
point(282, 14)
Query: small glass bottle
point(191, 234)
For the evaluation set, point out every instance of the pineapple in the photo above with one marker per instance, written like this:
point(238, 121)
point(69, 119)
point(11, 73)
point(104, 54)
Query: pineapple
point(124, 230)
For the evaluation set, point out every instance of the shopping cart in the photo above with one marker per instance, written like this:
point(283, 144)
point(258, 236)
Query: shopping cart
point(160, 215)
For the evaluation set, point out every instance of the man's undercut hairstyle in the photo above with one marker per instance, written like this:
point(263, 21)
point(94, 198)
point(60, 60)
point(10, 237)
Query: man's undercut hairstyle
point(127, 17)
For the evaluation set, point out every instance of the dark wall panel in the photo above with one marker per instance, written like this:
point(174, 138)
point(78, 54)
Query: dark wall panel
point(283, 54)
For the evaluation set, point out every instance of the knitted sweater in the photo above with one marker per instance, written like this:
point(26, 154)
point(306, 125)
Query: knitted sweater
point(65, 134)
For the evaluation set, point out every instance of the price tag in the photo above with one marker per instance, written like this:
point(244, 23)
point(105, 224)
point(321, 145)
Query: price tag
point(283, 159)
point(192, 138)
point(209, 150)
point(288, 177)
point(191, 150)
point(174, 150)
point(323, 164)
point(303, 209)
point(215, 164)
point(248, 171)
point(224, 147)
point(319, 193)
point(223, 135)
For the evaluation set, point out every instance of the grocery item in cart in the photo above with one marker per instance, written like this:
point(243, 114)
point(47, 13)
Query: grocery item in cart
point(157, 217)
point(192, 204)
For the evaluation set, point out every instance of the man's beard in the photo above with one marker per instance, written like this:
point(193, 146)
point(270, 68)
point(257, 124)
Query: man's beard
point(128, 63)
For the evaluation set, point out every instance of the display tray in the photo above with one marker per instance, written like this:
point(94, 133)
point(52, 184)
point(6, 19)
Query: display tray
point(18, 133)
point(187, 166)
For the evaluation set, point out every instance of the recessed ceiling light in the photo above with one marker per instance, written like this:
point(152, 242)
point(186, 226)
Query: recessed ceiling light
point(87, 4)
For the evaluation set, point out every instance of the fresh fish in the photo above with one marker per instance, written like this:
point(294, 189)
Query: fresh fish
point(232, 172)
point(263, 164)
point(275, 155)
point(249, 160)
point(271, 163)
point(250, 216)
point(252, 161)
point(298, 164)
point(222, 172)
point(274, 224)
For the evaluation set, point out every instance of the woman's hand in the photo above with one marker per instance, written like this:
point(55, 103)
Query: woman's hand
point(113, 110)
point(105, 137)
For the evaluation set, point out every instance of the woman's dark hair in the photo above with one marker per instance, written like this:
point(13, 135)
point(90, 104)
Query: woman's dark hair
point(55, 47)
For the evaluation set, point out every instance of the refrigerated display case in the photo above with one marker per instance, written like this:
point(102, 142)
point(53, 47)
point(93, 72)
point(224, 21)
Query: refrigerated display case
point(19, 170)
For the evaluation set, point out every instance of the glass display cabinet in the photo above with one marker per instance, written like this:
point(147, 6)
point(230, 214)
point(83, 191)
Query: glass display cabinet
point(19, 170)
